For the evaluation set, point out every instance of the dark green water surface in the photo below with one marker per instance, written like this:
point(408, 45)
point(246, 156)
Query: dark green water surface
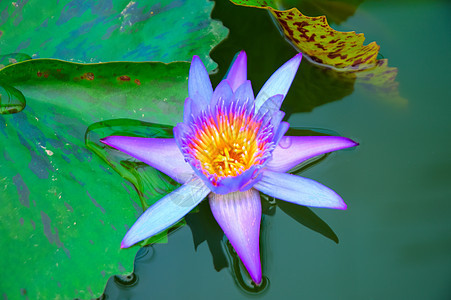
point(395, 236)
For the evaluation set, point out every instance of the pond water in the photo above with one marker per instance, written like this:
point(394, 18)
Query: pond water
point(393, 241)
point(395, 236)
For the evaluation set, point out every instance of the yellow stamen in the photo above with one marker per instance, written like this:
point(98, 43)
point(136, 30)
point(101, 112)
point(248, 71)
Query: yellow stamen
point(228, 148)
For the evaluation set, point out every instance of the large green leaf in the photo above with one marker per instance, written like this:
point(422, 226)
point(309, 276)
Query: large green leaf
point(64, 210)
point(99, 31)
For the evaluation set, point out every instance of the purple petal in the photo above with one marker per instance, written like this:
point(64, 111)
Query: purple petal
point(181, 130)
point(292, 150)
point(245, 94)
point(199, 83)
point(192, 109)
point(271, 105)
point(281, 130)
point(298, 190)
point(239, 216)
point(187, 111)
point(225, 185)
point(237, 73)
point(271, 112)
point(279, 82)
point(162, 154)
point(223, 92)
point(166, 212)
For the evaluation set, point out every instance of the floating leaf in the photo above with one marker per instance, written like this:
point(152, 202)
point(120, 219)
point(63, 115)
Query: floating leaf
point(312, 86)
point(314, 37)
point(324, 45)
point(341, 51)
point(64, 211)
point(336, 11)
point(122, 30)
point(96, 92)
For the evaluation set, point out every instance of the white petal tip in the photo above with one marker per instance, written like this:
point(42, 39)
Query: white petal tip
point(295, 61)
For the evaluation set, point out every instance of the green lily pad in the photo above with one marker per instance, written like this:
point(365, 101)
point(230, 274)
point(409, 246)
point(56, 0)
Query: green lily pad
point(65, 211)
point(100, 31)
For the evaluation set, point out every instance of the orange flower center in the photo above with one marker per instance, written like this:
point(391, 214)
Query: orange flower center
point(229, 145)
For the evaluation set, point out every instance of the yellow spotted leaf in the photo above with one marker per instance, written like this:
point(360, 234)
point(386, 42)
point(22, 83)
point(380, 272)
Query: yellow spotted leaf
point(324, 45)
point(318, 41)
point(342, 51)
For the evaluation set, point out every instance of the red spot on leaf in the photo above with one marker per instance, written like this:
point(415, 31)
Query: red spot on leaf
point(88, 76)
point(124, 78)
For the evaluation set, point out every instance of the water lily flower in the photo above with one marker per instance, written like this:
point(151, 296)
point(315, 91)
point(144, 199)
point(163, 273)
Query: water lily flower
point(230, 147)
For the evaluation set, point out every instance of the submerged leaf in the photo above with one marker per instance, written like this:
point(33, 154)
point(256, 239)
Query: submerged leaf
point(122, 30)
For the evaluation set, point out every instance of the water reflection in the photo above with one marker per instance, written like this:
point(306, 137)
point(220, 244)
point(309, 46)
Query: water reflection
point(241, 276)
point(205, 229)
